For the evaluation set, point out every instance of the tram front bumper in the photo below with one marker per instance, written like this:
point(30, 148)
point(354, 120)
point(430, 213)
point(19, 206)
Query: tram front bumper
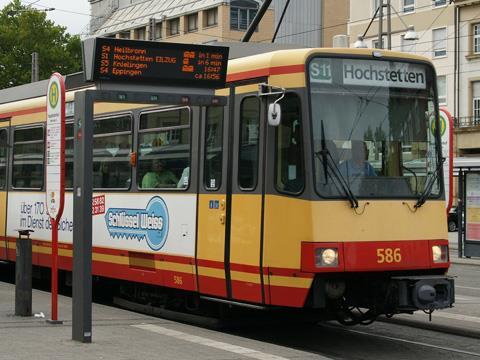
point(424, 292)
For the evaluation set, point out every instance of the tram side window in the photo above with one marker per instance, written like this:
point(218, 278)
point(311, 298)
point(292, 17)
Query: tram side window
point(164, 149)
point(69, 155)
point(112, 145)
point(28, 158)
point(249, 136)
point(213, 148)
point(289, 171)
point(3, 159)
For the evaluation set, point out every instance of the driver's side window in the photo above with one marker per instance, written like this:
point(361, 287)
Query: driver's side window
point(289, 169)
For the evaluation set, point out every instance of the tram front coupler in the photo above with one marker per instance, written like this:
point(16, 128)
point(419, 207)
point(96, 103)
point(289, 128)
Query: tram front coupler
point(427, 293)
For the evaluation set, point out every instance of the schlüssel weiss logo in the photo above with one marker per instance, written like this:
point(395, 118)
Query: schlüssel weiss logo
point(150, 224)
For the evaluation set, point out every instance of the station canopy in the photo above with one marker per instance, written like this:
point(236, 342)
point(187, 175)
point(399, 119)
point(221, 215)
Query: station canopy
point(465, 164)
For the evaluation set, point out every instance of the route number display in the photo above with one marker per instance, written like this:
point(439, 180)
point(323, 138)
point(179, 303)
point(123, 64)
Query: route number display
point(170, 64)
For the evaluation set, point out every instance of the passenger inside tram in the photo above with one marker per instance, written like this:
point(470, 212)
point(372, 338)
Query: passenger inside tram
point(159, 176)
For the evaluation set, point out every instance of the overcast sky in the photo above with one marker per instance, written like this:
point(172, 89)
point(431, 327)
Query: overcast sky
point(73, 14)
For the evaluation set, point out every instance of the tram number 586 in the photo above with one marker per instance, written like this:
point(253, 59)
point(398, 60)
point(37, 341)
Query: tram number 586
point(389, 256)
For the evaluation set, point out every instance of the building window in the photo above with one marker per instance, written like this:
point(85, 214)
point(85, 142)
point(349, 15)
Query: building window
point(476, 38)
point(210, 17)
point(140, 34)
point(440, 3)
point(192, 22)
point(408, 6)
point(124, 35)
point(408, 45)
point(375, 5)
point(439, 42)
point(376, 43)
point(173, 27)
point(476, 102)
point(242, 16)
point(158, 30)
point(442, 89)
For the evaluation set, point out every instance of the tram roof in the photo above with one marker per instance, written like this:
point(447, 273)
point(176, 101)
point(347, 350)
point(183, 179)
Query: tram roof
point(299, 56)
point(39, 88)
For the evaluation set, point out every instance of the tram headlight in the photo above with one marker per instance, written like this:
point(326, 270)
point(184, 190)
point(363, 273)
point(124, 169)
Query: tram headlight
point(326, 257)
point(440, 253)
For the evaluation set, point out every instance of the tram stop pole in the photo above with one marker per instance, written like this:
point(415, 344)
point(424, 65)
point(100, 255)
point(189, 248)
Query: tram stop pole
point(23, 274)
point(82, 218)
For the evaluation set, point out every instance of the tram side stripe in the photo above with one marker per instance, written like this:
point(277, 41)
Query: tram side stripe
point(24, 112)
point(277, 70)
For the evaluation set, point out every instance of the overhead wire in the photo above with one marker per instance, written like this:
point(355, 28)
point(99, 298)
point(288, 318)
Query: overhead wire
point(351, 22)
point(466, 23)
point(133, 21)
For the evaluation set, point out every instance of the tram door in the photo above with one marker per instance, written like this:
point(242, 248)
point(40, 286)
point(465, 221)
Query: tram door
point(4, 130)
point(229, 238)
point(244, 235)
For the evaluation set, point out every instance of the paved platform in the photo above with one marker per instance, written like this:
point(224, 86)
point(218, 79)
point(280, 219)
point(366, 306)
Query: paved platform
point(119, 334)
point(453, 245)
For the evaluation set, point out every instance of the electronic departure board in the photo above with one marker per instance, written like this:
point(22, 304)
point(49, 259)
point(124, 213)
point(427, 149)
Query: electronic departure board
point(166, 64)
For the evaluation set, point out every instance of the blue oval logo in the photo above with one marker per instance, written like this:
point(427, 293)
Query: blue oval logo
point(149, 224)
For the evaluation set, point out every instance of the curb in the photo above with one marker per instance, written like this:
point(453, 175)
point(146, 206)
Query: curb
point(462, 261)
point(447, 329)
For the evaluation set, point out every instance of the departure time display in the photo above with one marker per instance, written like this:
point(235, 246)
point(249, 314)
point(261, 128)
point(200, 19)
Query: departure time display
point(159, 62)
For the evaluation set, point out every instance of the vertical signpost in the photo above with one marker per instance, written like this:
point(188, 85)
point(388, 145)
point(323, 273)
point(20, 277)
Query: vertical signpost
point(55, 170)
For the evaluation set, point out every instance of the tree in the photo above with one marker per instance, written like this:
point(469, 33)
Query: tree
point(24, 30)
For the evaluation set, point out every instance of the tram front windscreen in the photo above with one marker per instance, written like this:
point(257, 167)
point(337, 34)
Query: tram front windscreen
point(374, 128)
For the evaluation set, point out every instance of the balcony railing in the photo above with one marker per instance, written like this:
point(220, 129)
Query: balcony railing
point(466, 121)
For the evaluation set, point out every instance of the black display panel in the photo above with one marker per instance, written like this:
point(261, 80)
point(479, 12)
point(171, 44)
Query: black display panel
point(168, 64)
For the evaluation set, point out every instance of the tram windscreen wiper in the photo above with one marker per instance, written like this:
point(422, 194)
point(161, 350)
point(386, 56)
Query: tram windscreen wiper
point(429, 185)
point(328, 162)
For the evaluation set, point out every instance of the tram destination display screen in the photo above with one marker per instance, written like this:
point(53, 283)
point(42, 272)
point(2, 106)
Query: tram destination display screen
point(163, 63)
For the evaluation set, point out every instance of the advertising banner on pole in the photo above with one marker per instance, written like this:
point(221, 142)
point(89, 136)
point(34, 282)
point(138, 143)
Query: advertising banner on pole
point(472, 206)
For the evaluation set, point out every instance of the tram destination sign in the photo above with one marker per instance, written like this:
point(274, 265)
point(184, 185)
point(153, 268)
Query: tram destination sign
point(168, 64)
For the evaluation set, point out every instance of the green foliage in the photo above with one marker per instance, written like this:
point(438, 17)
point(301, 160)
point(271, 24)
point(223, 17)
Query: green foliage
point(24, 31)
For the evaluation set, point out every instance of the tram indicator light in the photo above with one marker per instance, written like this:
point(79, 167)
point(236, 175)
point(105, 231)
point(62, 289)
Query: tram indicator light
point(160, 63)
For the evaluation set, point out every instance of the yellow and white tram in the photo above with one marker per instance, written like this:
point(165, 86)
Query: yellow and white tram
point(324, 211)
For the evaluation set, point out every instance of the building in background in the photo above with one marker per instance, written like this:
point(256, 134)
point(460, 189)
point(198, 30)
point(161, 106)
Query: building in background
point(185, 21)
point(467, 77)
point(434, 23)
point(310, 23)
